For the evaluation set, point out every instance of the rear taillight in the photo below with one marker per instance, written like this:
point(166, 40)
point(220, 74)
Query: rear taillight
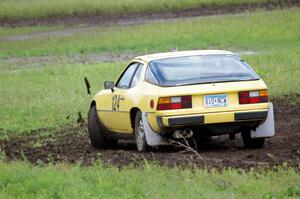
point(251, 97)
point(180, 102)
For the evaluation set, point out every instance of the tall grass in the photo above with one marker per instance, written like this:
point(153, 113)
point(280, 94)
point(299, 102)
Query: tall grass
point(21, 180)
point(22, 9)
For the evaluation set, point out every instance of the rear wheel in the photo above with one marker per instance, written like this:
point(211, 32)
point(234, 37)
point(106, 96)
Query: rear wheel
point(97, 131)
point(140, 136)
point(252, 143)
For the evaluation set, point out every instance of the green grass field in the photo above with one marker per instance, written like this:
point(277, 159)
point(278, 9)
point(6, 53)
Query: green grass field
point(21, 180)
point(16, 9)
point(49, 94)
point(256, 32)
point(44, 95)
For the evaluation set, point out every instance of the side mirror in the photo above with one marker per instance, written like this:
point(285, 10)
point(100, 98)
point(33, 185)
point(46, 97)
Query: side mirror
point(109, 85)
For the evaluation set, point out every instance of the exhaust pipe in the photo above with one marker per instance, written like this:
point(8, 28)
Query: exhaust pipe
point(186, 133)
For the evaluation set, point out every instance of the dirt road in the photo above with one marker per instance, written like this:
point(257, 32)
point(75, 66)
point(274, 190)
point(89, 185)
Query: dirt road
point(71, 145)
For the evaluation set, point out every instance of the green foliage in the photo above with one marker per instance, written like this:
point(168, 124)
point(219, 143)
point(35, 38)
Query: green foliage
point(16, 9)
point(21, 180)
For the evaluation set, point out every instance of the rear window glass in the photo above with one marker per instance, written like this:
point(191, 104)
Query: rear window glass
point(198, 69)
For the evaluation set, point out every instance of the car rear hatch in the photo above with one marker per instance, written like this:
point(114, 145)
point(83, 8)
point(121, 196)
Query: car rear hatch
point(216, 97)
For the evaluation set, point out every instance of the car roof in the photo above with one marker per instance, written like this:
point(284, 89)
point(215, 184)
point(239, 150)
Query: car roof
point(156, 56)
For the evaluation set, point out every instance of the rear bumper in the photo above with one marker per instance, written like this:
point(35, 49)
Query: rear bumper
point(246, 116)
point(210, 118)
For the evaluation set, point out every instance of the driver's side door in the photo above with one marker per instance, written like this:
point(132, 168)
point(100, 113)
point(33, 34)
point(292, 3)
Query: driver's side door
point(113, 116)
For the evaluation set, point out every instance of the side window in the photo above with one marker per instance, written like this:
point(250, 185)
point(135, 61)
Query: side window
point(137, 76)
point(149, 76)
point(125, 80)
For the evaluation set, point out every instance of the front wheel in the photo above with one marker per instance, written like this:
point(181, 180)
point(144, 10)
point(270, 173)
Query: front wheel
point(140, 135)
point(97, 131)
point(252, 143)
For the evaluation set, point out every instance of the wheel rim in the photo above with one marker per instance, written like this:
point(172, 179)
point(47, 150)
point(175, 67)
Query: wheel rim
point(140, 135)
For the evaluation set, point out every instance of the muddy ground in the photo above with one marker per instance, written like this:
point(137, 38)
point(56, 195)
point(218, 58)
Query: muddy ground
point(144, 17)
point(71, 145)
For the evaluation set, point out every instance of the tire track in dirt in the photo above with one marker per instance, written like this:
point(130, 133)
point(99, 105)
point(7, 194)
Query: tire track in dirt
point(71, 145)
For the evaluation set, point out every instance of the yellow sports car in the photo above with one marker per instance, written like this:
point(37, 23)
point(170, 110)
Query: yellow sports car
point(176, 95)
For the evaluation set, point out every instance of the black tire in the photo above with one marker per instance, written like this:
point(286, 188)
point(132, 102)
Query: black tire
point(140, 136)
point(97, 131)
point(252, 143)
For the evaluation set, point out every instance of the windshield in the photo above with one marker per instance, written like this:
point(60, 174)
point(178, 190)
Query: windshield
point(198, 69)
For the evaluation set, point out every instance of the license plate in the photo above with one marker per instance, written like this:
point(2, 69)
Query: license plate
point(215, 100)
